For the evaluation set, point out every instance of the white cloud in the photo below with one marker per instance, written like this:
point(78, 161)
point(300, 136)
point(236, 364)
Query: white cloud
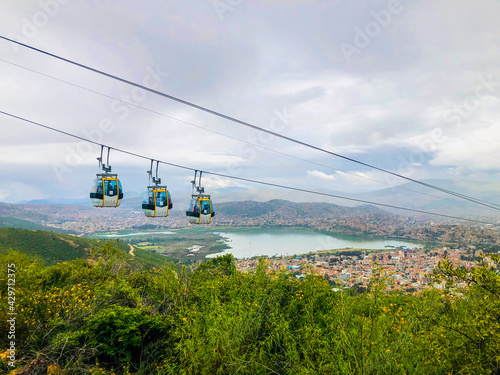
point(476, 150)
point(320, 175)
point(265, 56)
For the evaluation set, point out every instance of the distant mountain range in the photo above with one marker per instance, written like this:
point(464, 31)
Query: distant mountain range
point(282, 208)
point(129, 197)
point(327, 217)
point(410, 195)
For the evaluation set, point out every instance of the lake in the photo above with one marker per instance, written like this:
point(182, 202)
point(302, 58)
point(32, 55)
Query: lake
point(250, 243)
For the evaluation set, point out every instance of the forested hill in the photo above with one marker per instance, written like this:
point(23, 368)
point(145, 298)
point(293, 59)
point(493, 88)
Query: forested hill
point(284, 208)
point(49, 246)
point(53, 247)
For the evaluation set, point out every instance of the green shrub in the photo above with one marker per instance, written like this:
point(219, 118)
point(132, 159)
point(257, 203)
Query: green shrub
point(107, 316)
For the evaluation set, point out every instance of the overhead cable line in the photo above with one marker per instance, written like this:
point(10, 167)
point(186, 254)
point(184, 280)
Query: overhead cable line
point(233, 119)
point(245, 179)
point(225, 135)
point(244, 123)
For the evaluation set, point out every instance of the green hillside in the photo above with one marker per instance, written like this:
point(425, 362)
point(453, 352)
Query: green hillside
point(12, 222)
point(54, 247)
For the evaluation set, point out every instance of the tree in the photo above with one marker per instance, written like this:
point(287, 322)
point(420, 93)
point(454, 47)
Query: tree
point(472, 312)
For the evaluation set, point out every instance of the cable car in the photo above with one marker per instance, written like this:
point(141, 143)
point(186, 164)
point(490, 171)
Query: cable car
point(200, 210)
point(157, 202)
point(106, 190)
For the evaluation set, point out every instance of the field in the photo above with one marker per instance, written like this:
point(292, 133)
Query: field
point(176, 245)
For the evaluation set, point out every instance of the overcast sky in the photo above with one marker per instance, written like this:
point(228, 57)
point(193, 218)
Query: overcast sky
point(409, 86)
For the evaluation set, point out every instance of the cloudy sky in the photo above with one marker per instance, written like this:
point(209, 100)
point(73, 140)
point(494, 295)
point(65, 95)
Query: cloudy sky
point(408, 85)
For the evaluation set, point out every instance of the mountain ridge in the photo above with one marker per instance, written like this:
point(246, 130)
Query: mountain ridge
point(415, 196)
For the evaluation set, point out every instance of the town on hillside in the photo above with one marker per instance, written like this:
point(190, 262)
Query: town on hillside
point(405, 270)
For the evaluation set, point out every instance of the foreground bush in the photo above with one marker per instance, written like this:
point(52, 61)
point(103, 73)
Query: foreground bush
point(102, 317)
